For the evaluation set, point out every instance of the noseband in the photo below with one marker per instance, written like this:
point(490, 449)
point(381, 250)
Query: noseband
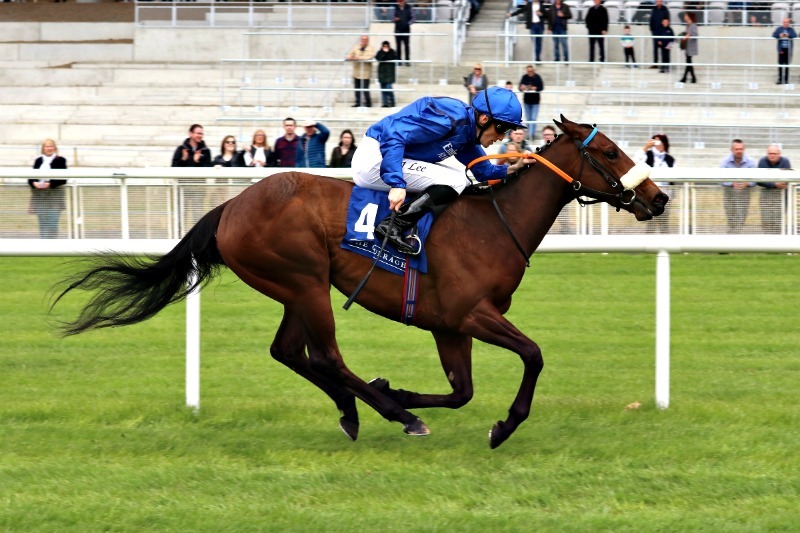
point(624, 188)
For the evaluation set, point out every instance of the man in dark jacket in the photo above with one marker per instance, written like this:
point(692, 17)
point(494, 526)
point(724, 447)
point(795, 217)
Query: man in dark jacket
point(531, 85)
point(386, 73)
point(597, 25)
point(193, 152)
point(659, 13)
point(403, 19)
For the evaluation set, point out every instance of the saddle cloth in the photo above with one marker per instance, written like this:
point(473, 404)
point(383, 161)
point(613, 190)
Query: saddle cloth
point(366, 209)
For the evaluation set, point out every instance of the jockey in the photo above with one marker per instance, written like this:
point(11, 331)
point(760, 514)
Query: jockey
point(405, 150)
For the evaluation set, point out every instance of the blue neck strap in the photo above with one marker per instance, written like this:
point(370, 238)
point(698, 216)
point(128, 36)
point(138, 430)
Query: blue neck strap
point(589, 138)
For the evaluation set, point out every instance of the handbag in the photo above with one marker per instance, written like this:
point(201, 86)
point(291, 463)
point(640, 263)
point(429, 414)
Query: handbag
point(683, 42)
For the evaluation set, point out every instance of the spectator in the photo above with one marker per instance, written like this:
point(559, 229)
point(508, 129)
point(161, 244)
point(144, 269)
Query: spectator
point(311, 146)
point(627, 47)
point(784, 34)
point(510, 85)
point(558, 15)
point(386, 58)
point(47, 196)
point(531, 85)
point(665, 41)
point(735, 196)
point(655, 153)
point(597, 25)
point(193, 152)
point(259, 154)
point(510, 148)
point(657, 14)
point(228, 155)
point(534, 21)
point(342, 155)
point(362, 55)
point(403, 19)
point(476, 82)
point(773, 197)
point(689, 44)
point(516, 143)
point(286, 146)
point(548, 134)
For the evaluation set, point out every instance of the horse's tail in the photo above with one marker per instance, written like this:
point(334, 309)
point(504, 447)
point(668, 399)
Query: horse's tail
point(131, 290)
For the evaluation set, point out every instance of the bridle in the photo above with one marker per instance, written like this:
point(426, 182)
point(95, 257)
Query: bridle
point(623, 186)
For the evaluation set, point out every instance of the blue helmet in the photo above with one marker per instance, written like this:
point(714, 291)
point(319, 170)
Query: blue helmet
point(501, 105)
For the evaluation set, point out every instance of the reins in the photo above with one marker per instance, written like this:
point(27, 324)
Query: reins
point(511, 155)
point(626, 183)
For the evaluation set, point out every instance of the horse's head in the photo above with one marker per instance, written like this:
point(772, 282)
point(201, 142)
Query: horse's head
point(605, 173)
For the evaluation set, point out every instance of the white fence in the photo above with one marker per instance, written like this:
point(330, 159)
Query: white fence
point(163, 203)
point(661, 245)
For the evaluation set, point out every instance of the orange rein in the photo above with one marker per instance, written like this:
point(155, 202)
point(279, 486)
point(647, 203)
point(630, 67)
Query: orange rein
point(512, 155)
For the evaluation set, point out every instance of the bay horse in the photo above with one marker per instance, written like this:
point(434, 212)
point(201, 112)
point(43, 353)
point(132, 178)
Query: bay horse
point(282, 237)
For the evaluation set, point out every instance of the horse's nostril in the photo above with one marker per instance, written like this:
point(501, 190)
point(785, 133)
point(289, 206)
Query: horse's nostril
point(660, 200)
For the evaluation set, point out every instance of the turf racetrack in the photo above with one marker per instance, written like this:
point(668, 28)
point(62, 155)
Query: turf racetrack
point(94, 434)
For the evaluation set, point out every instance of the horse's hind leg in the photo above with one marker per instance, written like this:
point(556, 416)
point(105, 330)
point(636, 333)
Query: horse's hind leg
point(455, 353)
point(289, 349)
point(325, 358)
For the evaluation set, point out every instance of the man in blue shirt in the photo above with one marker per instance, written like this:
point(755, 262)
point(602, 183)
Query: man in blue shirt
point(406, 150)
point(735, 195)
point(784, 34)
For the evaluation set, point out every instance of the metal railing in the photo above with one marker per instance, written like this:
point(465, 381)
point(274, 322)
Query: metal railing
point(285, 13)
point(165, 203)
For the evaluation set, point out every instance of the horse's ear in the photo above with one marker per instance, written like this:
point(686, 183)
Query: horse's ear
point(560, 124)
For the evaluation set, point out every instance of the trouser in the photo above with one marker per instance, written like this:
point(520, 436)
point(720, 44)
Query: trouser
point(736, 203)
point(629, 56)
point(598, 42)
point(537, 29)
point(689, 69)
point(387, 95)
point(665, 59)
point(784, 59)
point(401, 41)
point(531, 114)
point(655, 49)
point(362, 87)
point(560, 40)
point(418, 175)
point(772, 203)
point(48, 222)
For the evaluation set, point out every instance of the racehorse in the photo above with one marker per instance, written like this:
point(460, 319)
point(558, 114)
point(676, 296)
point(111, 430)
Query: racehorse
point(282, 237)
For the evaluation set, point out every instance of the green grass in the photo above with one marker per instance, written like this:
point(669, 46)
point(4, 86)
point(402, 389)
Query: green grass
point(94, 435)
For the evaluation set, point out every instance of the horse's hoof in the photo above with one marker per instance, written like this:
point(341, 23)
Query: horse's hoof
point(416, 428)
point(497, 435)
point(379, 384)
point(349, 428)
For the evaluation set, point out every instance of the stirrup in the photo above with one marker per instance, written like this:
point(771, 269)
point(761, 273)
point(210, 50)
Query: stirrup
point(399, 242)
point(397, 239)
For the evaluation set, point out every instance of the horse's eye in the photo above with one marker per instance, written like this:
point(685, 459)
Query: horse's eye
point(611, 155)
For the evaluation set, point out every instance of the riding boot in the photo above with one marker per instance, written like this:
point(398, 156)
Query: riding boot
point(434, 198)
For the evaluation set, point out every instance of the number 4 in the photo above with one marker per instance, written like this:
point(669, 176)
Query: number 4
point(366, 220)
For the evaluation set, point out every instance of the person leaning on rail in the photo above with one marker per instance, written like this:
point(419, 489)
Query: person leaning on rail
point(406, 150)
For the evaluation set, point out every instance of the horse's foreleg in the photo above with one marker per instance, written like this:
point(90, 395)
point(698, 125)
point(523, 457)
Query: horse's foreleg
point(455, 353)
point(325, 358)
point(488, 325)
point(289, 348)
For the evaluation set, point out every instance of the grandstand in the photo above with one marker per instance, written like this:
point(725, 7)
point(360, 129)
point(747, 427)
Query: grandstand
point(121, 88)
